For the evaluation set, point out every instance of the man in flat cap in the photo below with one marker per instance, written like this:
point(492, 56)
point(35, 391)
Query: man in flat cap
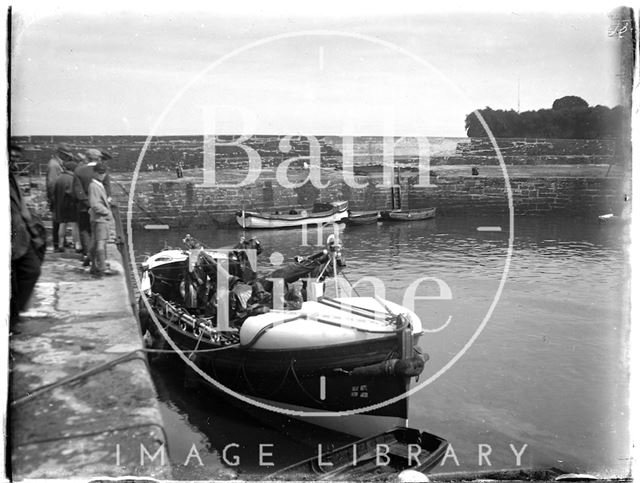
point(61, 155)
point(83, 175)
point(65, 206)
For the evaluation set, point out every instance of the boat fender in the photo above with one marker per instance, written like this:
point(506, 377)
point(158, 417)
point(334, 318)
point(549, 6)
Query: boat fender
point(147, 280)
point(144, 317)
point(382, 368)
point(410, 367)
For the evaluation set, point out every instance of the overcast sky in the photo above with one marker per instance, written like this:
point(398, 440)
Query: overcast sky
point(406, 73)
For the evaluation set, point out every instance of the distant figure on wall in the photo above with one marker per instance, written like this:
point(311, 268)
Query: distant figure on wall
point(27, 242)
point(61, 155)
point(474, 171)
point(179, 171)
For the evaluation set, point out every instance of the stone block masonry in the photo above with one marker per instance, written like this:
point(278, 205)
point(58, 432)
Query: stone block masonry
point(188, 203)
point(574, 196)
point(565, 176)
point(191, 204)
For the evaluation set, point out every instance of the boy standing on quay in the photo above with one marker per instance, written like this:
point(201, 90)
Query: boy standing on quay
point(83, 176)
point(100, 216)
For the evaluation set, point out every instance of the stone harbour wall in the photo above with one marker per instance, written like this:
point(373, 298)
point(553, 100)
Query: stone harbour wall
point(574, 196)
point(574, 177)
point(189, 204)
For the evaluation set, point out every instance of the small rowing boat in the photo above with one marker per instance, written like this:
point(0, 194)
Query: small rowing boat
point(384, 454)
point(362, 217)
point(409, 215)
point(322, 214)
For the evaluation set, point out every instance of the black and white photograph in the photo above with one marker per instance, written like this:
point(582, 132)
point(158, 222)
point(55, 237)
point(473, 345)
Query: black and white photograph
point(324, 242)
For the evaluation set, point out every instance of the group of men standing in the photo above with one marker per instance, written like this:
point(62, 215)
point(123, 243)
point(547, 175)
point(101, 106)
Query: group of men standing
point(79, 197)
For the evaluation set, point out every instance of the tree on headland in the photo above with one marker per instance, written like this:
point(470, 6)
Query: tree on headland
point(569, 102)
point(570, 117)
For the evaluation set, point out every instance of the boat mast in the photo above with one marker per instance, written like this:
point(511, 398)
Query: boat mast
point(396, 196)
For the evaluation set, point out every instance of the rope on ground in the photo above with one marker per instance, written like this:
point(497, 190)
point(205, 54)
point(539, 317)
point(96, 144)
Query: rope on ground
point(96, 433)
point(135, 354)
point(68, 380)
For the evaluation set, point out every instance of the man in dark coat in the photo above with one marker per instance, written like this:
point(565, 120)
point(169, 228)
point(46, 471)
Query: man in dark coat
point(61, 155)
point(27, 243)
point(84, 173)
point(65, 204)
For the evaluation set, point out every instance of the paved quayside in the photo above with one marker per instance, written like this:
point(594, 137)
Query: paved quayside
point(104, 424)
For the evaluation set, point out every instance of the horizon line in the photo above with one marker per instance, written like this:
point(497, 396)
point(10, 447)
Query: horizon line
point(237, 135)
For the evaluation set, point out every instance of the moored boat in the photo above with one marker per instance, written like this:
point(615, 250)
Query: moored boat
point(382, 455)
point(285, 345)
point(322, 214)
point(362, 217)
point(409, 215)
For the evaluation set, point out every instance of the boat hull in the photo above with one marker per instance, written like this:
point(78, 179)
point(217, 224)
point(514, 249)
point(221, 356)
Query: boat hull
point(362, 218)
point(359, 425)
point(322, 355)
point(321, 379)
point(254, 220)
point(404, 448)
point(409, 215)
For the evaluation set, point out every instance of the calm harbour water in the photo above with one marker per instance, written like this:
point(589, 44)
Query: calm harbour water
point(548, 371)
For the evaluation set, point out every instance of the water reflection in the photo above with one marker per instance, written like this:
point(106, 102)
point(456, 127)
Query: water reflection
point(209, 437)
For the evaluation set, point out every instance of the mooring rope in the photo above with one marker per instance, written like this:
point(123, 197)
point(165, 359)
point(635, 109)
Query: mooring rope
point(135, 354)
point(96, 433)
point(89, 372)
